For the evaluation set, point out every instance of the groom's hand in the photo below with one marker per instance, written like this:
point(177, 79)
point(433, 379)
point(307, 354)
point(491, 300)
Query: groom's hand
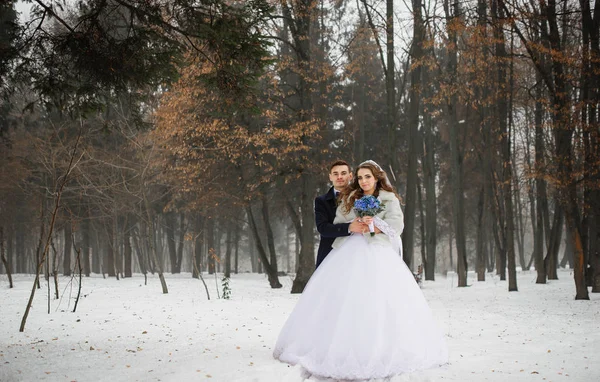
point(358, 227)
point(366, 220)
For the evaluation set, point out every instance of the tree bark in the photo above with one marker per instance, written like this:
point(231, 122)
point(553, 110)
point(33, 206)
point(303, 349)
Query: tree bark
point(180, 241)
point(556, 236)
point(96, 249)
point(481, 255)
point(540, 186)
point(3, 256)
point(171, 244)
point(68, 240)
point(157, 260)
point(109, 259)
point(413, 134)
point(127, 251)
point(422, 223)
point(567, 255)
point(271, 273)
point(429, 174)
point(228, 246)
point(452, 20)
point(505, 131)
point(140, 251)
point(591, 99)
point(304, 12)
point(85, 246)
point(237, 247)
point(198, 244)
point(269, 231)
point(306, 260)
point(211, 253)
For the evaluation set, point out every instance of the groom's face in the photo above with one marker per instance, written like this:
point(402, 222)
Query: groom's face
point(340, 176)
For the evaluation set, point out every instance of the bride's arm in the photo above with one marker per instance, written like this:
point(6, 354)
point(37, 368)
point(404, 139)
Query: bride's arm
point(341, 216)
point(392, 221)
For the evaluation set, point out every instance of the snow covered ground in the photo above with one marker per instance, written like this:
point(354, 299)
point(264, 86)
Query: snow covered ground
point(125, 331)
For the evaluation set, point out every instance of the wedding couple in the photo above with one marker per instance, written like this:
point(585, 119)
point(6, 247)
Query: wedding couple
point(361, 315)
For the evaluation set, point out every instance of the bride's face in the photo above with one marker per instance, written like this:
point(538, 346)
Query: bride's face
point(366, 180)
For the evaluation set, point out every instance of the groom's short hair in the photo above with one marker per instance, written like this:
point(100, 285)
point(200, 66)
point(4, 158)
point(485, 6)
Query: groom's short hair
point(339, 162)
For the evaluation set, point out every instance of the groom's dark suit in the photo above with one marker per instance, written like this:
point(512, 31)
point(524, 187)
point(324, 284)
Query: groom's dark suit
point(324, 215)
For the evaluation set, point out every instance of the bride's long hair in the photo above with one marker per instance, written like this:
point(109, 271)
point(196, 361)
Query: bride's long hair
point(353, 192)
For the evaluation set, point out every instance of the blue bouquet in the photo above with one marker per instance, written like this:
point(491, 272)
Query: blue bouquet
point(368, 205)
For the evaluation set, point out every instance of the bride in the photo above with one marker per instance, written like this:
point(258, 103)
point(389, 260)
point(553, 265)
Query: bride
point(362, 315)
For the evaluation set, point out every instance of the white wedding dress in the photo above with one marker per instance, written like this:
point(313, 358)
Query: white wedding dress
point(361, 316)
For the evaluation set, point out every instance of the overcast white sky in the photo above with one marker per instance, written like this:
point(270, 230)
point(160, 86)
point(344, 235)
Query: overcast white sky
point(23, 9)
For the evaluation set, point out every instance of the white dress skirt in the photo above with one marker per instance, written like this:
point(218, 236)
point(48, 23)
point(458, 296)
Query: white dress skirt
point(361, 316)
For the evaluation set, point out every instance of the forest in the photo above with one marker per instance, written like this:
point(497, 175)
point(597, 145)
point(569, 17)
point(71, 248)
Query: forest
point(165, 137)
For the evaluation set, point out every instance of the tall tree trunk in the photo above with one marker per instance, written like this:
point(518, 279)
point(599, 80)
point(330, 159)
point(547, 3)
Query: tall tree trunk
point(564, 157)
point(237, 248)
point(540, 186)
point(519, 219)
point(211, 249)
point(422, 223)
point(516, 191)
point(171, 244)
point(531, 192)
point(139, 250)
point(390, 86)
point(180, 241)
point(118, 247)
point(218, 247)
point(68, 242)
point(550, 261)
point(429, 174)
point(96, 249)
point(271, 273)
point(595, 246)
point(452, 22)
point(198, 245)
point(481, 255)
point(306, 260)
point(157, 259)
point(127, 250)
point(482, 91)
point(567, 255)
point(228, 246)
point(591, 99)
point(86, 244)
point(491, 250)
point(109, 259)
point(413, 134)
point(3, 257)
point(504, 128)
point(499, 239)
point(269, 231)
point(20, 247)
point(10, 233)
point(451, 245)
point(252, 250)
point(300, 23)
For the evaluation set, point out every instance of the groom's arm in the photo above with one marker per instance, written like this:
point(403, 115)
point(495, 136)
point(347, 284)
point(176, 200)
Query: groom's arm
point(324, 226)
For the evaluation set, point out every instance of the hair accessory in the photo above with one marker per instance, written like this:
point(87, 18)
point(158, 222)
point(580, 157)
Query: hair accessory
point(371, 162)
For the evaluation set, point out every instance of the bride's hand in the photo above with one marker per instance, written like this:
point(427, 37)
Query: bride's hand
point(357, 226)
point(367, 219)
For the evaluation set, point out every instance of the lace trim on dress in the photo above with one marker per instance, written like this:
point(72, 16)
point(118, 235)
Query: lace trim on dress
point(390, 232)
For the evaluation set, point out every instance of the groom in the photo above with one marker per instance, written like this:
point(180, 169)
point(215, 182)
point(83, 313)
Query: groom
point(340, 176)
